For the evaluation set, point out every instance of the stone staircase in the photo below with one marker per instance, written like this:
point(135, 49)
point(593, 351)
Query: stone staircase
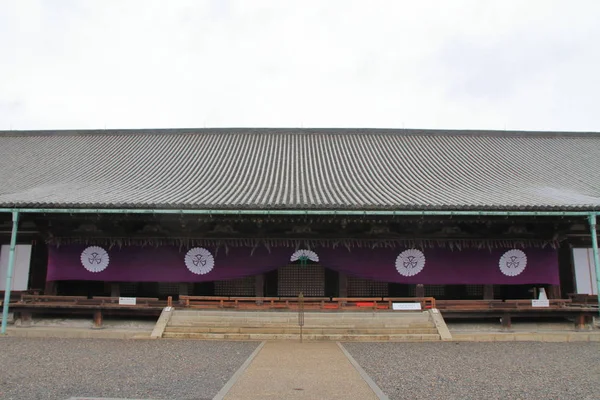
point(282, 325)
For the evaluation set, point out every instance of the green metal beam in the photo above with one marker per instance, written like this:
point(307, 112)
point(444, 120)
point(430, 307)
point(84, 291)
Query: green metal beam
point(10, 269)
point(299, 212)
point(592, 219)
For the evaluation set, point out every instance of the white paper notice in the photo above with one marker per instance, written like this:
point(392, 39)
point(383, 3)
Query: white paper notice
point(406, 306)
point(128, 301)
point(540, 303)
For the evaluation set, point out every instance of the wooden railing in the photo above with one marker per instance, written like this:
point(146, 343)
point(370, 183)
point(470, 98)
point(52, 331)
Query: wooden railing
point(314, 303)
point(79, 301)
point(483, 305)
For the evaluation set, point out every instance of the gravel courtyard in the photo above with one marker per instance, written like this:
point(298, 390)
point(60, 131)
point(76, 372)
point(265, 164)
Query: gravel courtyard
point(518, 370)
point(167, 369)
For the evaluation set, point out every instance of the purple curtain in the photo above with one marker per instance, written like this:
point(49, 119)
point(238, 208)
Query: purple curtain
point(429, 266)
point(447, 267)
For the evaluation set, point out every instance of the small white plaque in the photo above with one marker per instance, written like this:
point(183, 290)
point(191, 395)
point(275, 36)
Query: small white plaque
point(406, 306)
point(128, 301)
point(540, 303)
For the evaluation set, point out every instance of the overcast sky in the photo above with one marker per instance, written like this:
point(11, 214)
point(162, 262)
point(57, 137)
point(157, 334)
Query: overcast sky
point(532, 65)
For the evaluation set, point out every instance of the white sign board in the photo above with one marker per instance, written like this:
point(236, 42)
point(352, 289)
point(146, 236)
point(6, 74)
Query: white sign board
point(406, 306)
point(585, 272)
point(128, 301)
point(20, 276)
point(540, 303)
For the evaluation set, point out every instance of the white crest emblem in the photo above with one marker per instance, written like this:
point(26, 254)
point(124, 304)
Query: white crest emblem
point(410, 262)
point(94, 259)
point(199, 261)
point(513, 262)
point(304, 254)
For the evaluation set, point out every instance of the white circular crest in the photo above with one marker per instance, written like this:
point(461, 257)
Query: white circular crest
point(199, 261)
point(513, 262)
point(306, 254)
point(410, 262)
point(94, 259)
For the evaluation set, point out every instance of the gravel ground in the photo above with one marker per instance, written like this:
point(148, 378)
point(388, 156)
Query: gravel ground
point(160, 369)
point(482, 370)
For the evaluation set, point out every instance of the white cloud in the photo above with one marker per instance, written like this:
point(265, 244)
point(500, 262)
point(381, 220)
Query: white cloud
point(461, 64)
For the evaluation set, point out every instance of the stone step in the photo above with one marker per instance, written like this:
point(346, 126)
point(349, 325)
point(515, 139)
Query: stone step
point(179, 319)
point(296, 330)
point(271, 324)
point(288, 314)
point(311, 312)
point(310, 337)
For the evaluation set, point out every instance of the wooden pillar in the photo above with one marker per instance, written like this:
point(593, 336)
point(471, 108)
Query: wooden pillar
point(506, 321)
point(342, 285)
point(259, 287)
point(115, 290)
point(582, 321)
point(26, 318)
point(488, 292)
point(97, 319)
point(183, 289)
point(50, 288)
point(553, 292)
point(420, 290)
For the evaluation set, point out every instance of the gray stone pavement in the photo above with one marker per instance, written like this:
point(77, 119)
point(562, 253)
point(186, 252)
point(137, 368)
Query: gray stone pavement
point(482, 371)
point(57, 369)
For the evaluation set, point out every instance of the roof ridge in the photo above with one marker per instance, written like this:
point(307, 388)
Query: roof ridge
point(299, 131)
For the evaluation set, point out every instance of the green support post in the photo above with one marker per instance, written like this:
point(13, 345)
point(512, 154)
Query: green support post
point(592, 219)
point(10, 268)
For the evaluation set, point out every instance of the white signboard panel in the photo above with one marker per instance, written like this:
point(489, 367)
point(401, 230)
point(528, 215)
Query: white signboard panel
point(127, 301)
point(585, 272)
point(20, 277)
point(406, 306)
point(540, 303)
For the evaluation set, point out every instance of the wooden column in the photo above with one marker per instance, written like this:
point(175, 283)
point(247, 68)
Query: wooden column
point(506, 321)
point(50, 288)
point(259, 285)
point(488, 292)
point(420, 290)
point(115, 290)
point(553, 292)
point(183, 289)
point(580, 322)
point(97, 319)
point(26, 318)
point(342, 285)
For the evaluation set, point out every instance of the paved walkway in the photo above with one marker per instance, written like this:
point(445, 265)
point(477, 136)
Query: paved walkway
point(292, 370)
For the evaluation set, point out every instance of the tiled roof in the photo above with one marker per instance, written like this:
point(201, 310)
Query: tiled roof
point(300, 169)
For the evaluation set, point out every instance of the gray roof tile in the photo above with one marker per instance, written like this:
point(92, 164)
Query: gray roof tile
point(300, 169)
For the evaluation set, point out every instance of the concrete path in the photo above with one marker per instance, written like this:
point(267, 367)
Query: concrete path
point(293, 370)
